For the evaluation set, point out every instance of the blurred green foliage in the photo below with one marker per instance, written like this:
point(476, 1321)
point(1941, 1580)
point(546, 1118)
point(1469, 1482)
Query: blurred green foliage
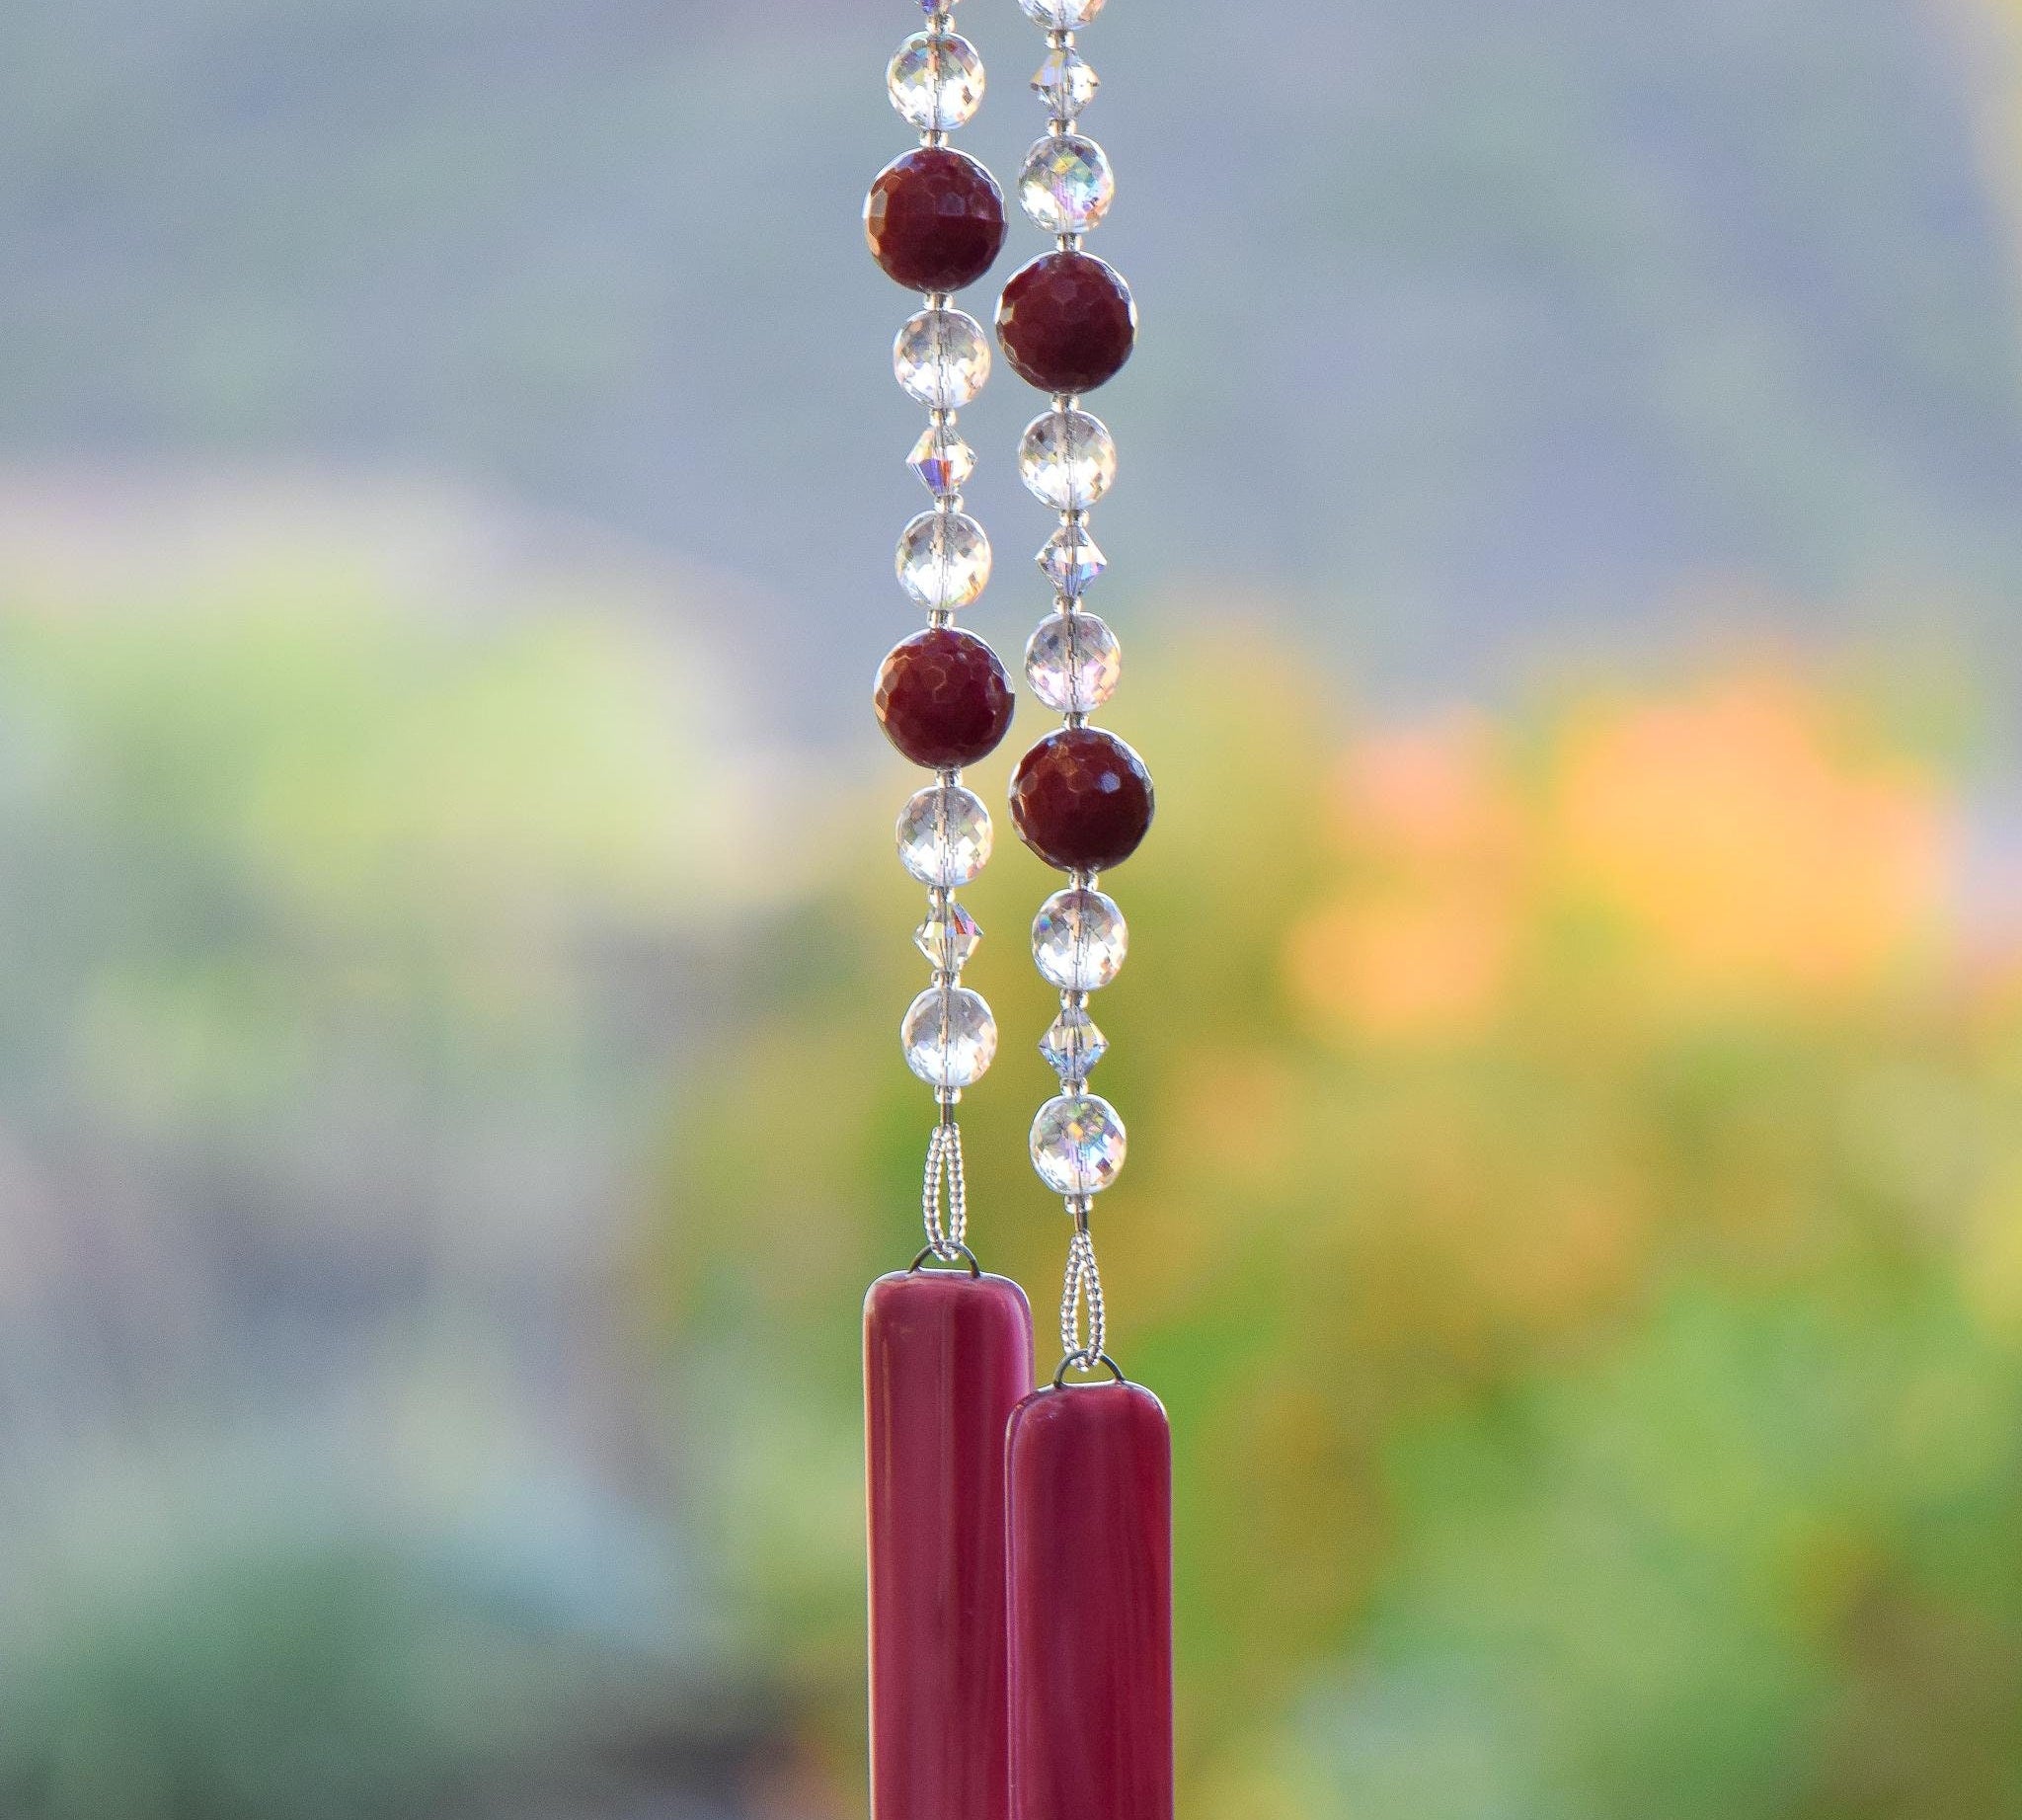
point(1572, 1218)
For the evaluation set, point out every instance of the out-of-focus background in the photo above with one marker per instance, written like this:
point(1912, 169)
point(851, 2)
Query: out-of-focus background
point(1568, 552)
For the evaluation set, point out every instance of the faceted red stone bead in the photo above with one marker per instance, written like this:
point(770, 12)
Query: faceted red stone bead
point(943, 698)
point(935, 219)
point(1082, 800)
point(1067, 322)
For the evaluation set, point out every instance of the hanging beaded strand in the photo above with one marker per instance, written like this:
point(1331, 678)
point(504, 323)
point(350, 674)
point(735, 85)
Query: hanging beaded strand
point(935, 222)
point(1081, 799)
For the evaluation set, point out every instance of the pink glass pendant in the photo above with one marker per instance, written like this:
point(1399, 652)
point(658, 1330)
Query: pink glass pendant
point(947, 1357)
point(1091, 1606)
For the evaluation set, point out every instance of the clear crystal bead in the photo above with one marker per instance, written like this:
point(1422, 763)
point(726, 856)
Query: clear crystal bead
point(1072, 559)
point(945, 837)
point(948, 936)
point(1066, 186)
point(1073, 1045)
point(942, 460)
point(936, 81)
point(949, 1036)
point(942, 358)
point(1073, 662)
point(1079, 939)
point(1066, 82)
point(1077, 1143)
point(1067, 459)
point(944, 560)
point(1060, 15)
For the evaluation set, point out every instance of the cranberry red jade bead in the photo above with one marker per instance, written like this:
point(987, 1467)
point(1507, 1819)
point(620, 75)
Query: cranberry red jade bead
point(943, 698)
point(935, 219)
point(1066, 322)
point(1082, 800)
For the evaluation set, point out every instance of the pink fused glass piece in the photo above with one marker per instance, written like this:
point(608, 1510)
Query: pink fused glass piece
point(1091, 1606)
point(947, 1357)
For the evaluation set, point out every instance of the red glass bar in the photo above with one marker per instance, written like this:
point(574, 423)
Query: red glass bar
point(947, 1357)
point(1091, 1606)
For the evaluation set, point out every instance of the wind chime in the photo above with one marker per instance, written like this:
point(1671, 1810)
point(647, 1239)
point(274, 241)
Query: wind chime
point(1020, 1539)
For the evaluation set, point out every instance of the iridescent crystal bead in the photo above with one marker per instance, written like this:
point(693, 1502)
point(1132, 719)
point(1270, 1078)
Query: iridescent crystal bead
point(945, 837)
point(1071, 559)
point(1067, 459)
point(1079, 939)
point(1073, 662)
point(936, 81)
point(944, 560)
point(941, 460)
point(1066, 82)
point(949, 936)
point(1073, 1045)
point(1077, 1143)
point(949, 1036)
point(942, 358)
point(1060, 15)
point(1066, 186)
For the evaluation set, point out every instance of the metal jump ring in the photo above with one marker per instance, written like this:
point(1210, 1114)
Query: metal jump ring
point(954, 1251)
point(1081, 1360)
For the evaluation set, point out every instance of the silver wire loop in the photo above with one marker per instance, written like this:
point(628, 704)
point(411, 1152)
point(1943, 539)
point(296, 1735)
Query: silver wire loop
point(1087, 1362)
point(944, 1193)
point(955, 1254)
point(1081, 1299)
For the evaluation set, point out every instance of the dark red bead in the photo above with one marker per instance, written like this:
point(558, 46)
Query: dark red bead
point(935, 219)
point(1082, 800)
point(943, 698)
point(1066, 322)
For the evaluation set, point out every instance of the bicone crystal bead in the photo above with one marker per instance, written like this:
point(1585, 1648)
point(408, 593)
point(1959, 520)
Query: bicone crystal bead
point(1060, 15)
point(945, 837)
point(1071, 559)
point(1078, 1144)
point(1079, 940)
point(1066, 186)
point(942, 460)
point(944, 560)
point(1073, 662)
point(949, 936)
point(1066, 82)
point(942, 358)
point(936, 81)
point(949, 1036)
point(1073, 1045)
point(1067, 459)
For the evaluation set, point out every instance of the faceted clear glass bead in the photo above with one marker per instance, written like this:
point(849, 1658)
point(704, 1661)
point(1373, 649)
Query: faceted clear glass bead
point(949, 1036)
point(1066, 82)
point(1067, 459)
point(936, 81)
point(1071, 559)
point(942, 358)
point(1066, 186)
point(945, 837)
point(1077, 1143)
point(1062, 15)
point(1073, 1045)
point(1073, 662)
point(948, 937)
point(942, 460)
point(1079, 940)
point(944, 560)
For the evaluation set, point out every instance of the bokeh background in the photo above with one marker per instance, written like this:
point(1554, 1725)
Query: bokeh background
point(1567, 554)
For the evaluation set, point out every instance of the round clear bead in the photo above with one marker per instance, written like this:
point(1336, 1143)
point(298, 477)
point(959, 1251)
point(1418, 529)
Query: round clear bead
point(1060, 15)
point(1079, 940)
point(936, 81)
point(1066, 186)
point(945, 837)
point(1067, 459)
point(1073, 662)
point(942, 358)
point(1077, 1143)
point(944, 560)
point(949, 1036)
